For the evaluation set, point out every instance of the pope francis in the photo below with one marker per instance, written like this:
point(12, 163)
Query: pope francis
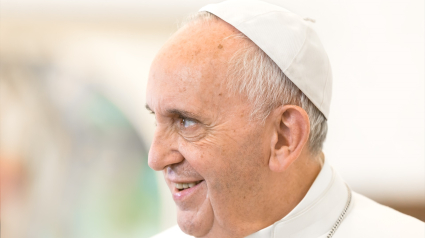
point(241, 97)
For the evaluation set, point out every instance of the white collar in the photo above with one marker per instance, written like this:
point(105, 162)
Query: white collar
point(317, 211)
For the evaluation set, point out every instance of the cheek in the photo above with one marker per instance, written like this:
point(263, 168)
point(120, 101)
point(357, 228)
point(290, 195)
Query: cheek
point(210, 152)
point(202, 155)
point(233, 171)
point(237, 182)
point(226, 163)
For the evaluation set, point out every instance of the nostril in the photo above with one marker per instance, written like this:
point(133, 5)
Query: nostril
point(158, 160)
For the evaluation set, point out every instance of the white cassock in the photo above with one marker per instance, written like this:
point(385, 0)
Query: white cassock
point(319, 210)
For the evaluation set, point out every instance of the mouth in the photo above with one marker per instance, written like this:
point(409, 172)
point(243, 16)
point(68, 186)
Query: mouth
point(186, 191)
point(183, 186)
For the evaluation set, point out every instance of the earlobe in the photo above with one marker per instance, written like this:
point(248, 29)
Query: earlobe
point(280, 160)
point(291, 128)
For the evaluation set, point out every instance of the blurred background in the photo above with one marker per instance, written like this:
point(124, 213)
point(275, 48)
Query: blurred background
point(74, 134)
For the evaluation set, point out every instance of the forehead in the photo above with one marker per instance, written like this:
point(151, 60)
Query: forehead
point(190, 70)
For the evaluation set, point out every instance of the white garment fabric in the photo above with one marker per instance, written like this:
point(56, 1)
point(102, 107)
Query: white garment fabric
point(318, 211)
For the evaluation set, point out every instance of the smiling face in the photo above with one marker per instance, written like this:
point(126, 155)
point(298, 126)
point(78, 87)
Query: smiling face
point(204, 139)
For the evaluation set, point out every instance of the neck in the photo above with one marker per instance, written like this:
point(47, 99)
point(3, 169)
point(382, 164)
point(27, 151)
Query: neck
point(288, 189)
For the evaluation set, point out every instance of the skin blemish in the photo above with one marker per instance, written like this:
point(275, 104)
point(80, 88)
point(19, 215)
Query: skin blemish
point(220, 46)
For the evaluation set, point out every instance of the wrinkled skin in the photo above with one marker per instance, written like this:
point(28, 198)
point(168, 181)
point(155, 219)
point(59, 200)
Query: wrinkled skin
point(205, 134)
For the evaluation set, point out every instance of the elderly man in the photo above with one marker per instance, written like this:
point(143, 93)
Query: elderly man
point(241, 97)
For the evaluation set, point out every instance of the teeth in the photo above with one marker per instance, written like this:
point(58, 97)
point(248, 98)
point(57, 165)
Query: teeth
point(185, 185)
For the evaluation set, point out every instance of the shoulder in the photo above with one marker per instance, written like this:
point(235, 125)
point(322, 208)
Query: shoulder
point(173, 232)
point(368, 218)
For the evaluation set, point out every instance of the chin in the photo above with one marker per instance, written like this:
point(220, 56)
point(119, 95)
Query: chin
point(196, 223)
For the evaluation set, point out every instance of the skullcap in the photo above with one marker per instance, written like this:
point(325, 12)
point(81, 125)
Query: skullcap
point(288, 39)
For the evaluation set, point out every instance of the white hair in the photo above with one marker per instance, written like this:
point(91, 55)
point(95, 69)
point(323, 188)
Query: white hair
point(253, 73)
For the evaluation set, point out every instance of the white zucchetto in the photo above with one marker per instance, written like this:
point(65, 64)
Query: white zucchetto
point(288, 39)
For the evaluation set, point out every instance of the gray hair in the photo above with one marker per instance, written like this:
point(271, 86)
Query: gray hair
point(254, 74)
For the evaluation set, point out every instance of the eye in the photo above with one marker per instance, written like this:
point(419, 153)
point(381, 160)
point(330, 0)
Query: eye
point(186, 122)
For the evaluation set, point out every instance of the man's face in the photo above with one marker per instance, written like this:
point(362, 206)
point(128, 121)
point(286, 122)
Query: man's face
point(204, 137)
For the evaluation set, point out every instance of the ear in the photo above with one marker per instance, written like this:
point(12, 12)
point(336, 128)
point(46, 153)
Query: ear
point(291, 130)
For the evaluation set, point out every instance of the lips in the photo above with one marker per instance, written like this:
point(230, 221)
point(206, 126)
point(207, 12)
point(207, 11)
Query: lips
point(186, 185)
point(180, 193)
point(183, 186)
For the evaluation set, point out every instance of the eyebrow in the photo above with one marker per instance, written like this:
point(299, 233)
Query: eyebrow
point(178, 112)
point(182, 113)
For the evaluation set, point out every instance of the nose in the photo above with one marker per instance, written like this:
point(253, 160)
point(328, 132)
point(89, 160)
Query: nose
point(164, 150)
